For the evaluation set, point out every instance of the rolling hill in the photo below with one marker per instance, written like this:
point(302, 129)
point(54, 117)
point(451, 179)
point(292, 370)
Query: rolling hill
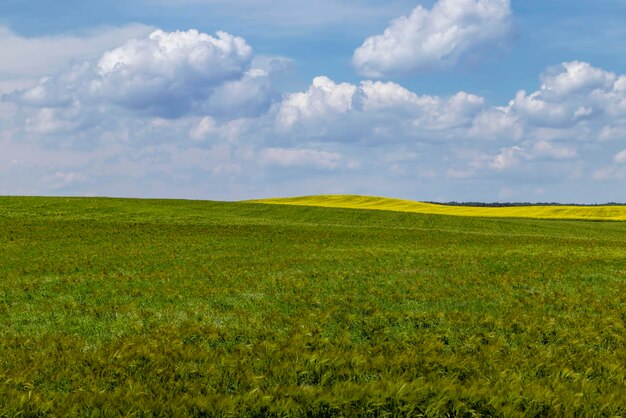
point(612, 213)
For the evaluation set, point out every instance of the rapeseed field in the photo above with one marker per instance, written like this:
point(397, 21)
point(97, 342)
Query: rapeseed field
point(615, 213)
point(170, 308)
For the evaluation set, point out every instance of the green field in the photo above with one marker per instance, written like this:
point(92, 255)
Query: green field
point(169, 308)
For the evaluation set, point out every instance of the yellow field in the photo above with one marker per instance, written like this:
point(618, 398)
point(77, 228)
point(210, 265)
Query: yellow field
point(614, 213)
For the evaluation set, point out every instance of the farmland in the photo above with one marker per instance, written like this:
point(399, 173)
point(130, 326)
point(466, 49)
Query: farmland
point(615, 213)
point(163, 307)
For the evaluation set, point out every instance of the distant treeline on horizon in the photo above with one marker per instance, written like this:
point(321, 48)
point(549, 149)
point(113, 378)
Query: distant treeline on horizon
point(513, 204)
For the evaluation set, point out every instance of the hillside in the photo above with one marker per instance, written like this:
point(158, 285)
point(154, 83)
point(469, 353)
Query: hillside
point(614, 213)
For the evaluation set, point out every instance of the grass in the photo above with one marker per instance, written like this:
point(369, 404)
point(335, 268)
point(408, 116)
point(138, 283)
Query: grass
point(147, 307)
point(615, 213)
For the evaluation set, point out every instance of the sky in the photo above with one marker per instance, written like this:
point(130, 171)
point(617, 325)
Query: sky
point(439, 100)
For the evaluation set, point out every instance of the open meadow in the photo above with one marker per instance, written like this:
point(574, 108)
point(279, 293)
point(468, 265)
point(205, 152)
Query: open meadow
point(169, 308)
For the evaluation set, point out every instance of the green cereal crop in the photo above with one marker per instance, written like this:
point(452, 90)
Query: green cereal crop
point(169, 308)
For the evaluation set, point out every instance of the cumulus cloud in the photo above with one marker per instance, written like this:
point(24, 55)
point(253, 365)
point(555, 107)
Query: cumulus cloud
point(163, 74)
point(247, 96)
point(324, 98)
point(167, 73)
point(379, 95)
point(457, 111)
point(25, 59)
point(575, 78)
point(574, 95)
point(506, 158)
point(554, 133)
point(497, 123)
point(186, 114)
point(435, 38)
point(50, 121)
point(509, 157)
point(375, 102)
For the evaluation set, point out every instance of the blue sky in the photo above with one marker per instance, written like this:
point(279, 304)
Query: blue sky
point(429, 100)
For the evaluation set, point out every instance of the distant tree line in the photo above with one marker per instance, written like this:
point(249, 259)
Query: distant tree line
point(512, 204)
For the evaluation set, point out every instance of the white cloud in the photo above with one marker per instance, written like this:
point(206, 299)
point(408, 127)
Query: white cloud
point(188, 54)
point(497, 123)
point(572, 78)
point(435, 38)
point(575, 100)
point(612, 131)
point(49, 121)
point(25, 59)
point(545, 148)
point(169, 73)
point(457, 111)
point(377, 105)
point(205, 127)
point(537, 111)
point(163, 74)
point(247, 96)
point(515, 157)
point(185, 114)
point(620, 157)
point(378, 95)
point(324, 98)
point(507, 158)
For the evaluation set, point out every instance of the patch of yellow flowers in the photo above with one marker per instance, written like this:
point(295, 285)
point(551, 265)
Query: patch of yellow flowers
point(608, 213)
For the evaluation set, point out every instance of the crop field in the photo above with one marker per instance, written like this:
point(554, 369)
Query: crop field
point(170, 308)
point(615, 213)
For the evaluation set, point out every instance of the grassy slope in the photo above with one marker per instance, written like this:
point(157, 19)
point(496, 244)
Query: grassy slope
point(616, 213)
point(170, 307)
